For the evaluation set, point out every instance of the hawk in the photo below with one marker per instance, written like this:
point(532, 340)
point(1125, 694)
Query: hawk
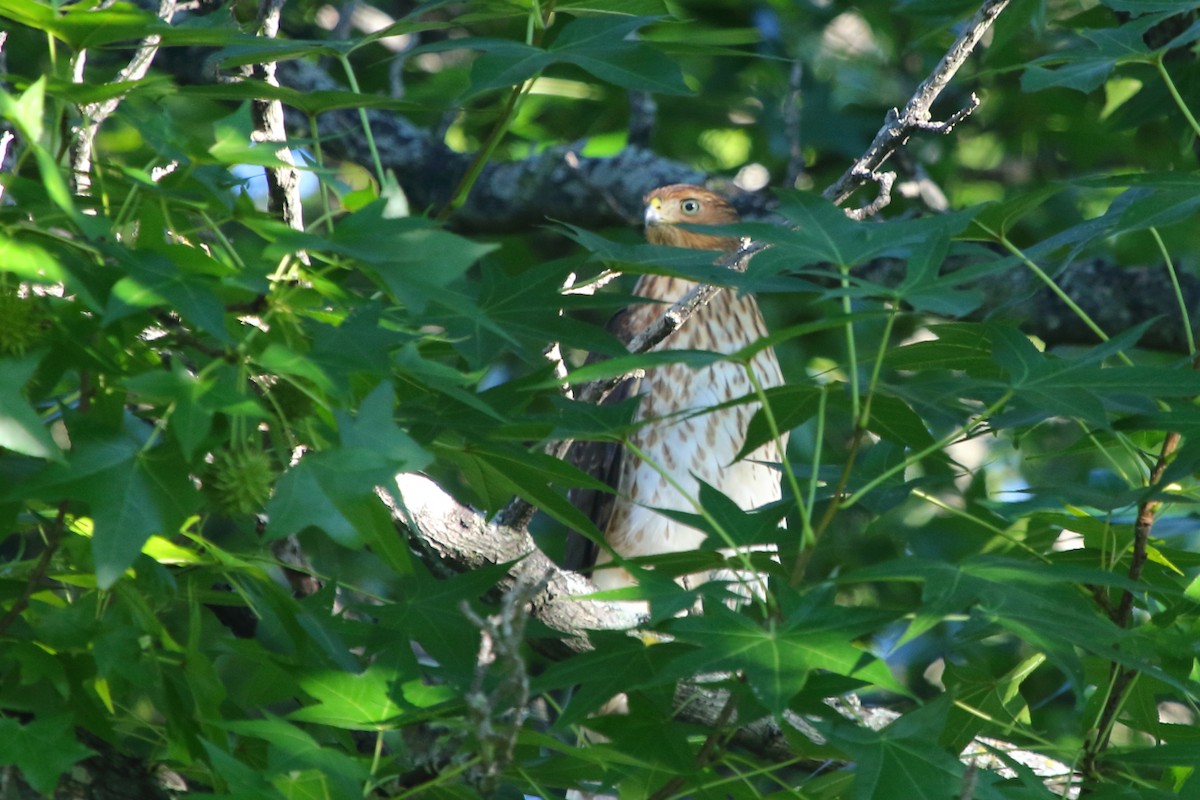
point(684, 431)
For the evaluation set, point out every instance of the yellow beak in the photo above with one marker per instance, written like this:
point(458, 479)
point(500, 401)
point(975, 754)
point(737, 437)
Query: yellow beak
point(654, 211)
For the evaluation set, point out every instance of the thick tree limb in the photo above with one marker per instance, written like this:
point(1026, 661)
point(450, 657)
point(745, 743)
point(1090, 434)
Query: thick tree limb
point(507, 195)
point(452, 537)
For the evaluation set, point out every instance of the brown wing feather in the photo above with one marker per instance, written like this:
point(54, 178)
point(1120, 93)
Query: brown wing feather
point(606, 460)
point(603, 461)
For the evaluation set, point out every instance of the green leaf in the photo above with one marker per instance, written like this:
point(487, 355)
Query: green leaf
point(21, 428)
point(791, 406)
point(191, 398)
point(29, 261)
point(154, 279)
point(27, 111)
point(334, 489)
point(981, 700)
point(497, 473)
point(429, 612)
point(504, 63)
point(410, 256)
point(353, 701)
point(1147, 208)
point(619, 663)
point(760, 526)
point(893, 419)
point(1038, 603)
point(1085, 68)
point(625, 365)
point(821, 232)
point(601, 45)
point(42, 750)
point(636, 8)
point(1083, 75)
point(282, 360)
point(292, 750)
point(132, 493)
point(904, 758)
point(777, 658)
point(958, 346)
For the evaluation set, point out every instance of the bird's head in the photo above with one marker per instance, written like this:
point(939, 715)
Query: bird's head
point(668, 206)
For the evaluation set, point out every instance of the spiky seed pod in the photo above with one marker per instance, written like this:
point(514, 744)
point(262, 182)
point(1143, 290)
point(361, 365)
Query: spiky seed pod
point(239, 481)
point(22, 322)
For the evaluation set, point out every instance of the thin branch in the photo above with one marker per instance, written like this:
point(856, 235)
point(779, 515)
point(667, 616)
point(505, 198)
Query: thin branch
point(1121, 678)
point(884, 180)
point(496, 716)
point(33, 582)
point(453, 538)
point(792, 106)
point(283, 181)
point(94, 114)
point(6, 135)
point(916, 116)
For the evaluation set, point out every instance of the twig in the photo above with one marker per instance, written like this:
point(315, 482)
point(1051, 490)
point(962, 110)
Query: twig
point(6, 137)
point(53, 539)
point(94, 114)
point(791, 125)
point(884, 180)
point(916, 116)
point(713, 745)
point(1142, 526)
point(283, 182)
point(1121, 678)
point(497, 716)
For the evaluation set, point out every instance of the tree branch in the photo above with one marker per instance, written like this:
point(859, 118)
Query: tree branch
point(508, 195)
point(454, 538)
point(283, 182)
point(899, 125)
point(94, 114)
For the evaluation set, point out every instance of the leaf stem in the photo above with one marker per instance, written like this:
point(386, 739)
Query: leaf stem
point(851, 350)
point(766, 600)
point(945, 441)
point(352, 80)
point(1183, 309)
point(1004, 242)
point(806, 533)
point(1178, 98)
point(888, 325)
point(818, 444)
point(485, 153)
point(862, 418)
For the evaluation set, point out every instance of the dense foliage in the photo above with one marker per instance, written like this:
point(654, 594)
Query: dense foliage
point(987, 531)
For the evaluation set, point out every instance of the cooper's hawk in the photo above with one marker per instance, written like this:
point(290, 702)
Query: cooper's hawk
point(686, 442)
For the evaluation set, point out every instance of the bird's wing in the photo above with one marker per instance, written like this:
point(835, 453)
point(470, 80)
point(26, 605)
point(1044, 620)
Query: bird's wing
point(603, 461)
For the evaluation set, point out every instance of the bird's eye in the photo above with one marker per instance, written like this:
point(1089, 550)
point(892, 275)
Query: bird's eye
point(690, 206)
